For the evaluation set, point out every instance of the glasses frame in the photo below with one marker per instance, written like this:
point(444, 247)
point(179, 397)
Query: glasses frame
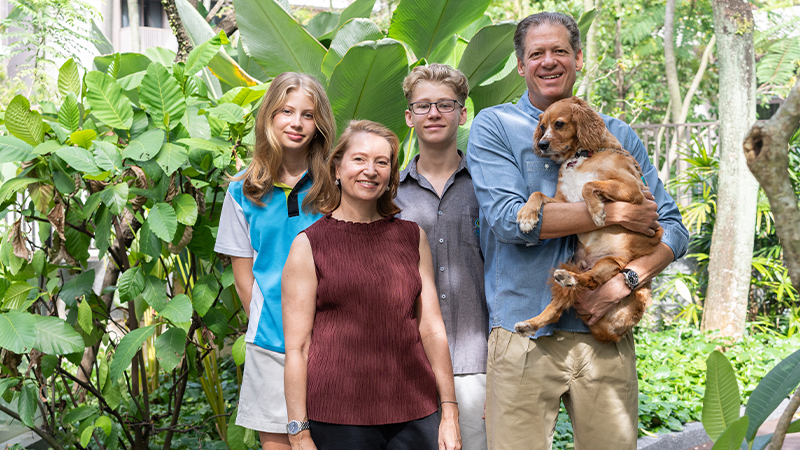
point(432, 104)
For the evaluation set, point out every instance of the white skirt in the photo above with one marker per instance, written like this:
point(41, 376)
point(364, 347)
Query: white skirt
point(262, 403)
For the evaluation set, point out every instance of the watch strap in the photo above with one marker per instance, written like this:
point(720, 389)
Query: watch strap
point(631, 278)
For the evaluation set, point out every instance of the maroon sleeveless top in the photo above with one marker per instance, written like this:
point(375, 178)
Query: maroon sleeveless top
point(366, 364)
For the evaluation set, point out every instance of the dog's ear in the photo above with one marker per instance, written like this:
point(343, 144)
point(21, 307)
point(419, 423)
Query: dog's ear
point(590, 126)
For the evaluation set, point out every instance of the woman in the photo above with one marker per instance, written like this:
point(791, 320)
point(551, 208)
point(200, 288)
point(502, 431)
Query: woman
point(362, 282)
point(260, 217)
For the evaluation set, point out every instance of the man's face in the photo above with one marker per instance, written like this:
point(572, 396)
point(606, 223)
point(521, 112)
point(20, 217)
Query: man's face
point(549, 65)
point(435, 128)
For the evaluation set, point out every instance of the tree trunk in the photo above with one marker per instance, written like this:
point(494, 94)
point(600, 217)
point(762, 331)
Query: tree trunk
point(729, 268)
point(133, 23)
point(184, 44)
point(673, 86)
point(589, 53)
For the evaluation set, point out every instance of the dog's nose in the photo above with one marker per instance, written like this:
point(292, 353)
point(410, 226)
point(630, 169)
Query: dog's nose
point(543, 145)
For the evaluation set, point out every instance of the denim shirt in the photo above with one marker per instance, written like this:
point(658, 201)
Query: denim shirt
point(505, 172)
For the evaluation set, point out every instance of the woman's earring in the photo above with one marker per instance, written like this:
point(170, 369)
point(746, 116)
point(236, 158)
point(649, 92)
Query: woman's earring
point(337, 181)
point(387, 188)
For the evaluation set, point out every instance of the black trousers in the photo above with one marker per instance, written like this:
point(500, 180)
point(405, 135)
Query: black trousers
point(419, 434)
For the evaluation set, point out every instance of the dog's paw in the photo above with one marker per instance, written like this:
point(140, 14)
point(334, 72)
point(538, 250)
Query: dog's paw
point(564, 278)
point(524, 328)
point(527, 218)
point(599, 218)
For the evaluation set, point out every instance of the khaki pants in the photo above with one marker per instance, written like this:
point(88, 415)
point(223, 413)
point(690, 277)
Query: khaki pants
point(527, 379)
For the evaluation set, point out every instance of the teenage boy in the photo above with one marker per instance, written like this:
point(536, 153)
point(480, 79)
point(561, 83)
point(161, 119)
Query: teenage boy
point(436, 192)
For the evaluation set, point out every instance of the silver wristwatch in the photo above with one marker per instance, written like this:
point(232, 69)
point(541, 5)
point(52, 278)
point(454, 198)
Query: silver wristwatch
point(631, 278)
point(296, 426)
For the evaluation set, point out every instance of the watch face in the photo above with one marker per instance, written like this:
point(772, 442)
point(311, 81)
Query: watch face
point(293, 427)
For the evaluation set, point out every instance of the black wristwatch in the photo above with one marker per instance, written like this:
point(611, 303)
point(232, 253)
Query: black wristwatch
point(296, 426)
point(631, 278)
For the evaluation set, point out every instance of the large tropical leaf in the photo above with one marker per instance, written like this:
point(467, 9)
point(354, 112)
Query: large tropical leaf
point(17, 331)
point(179, 309)
point(250, 67)
point(200, 56)
point(108, 102)
point(22, 122)
point(115, 197)
point(161, 95)
point(223, 67)
point(127, 348)
point(424, 24)
point(169, 348)
point(26, 403)
point(145, 147)
point(185, 209)
point(13, 185)
point(781, 381)
point(350, 34)
point(79, 159)
point(83, 138)
point(204, 293)
point(502, 88)
point(488, 52)
point(171, 157)
point(130, 284)
point(721, 401)
point(55, 337)
point(365, 85)
point(275, 40)
point(107, 156)
point(162, 221)
point(733, 436)
point(101, 42)
point(585, 22)
point(322, 23)
point(357, 9)
point(469, 31)
point(69, 80)
point(13, 150)
point(120, 65)
point(69, 115)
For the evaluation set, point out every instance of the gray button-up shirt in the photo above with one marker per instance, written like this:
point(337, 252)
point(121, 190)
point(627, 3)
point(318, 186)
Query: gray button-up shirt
point(451, 223)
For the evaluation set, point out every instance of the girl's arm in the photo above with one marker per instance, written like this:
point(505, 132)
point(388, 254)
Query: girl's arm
point(243, 279)
point(434, 341)
point(298, 300)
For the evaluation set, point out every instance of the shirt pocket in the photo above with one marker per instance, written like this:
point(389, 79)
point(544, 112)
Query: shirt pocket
point(539, 173)
point(469, 230)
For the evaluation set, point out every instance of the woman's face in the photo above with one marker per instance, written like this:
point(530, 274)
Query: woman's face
point(366, 168)
point(293, 123)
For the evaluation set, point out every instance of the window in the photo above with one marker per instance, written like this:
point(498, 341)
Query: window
point(150, 13)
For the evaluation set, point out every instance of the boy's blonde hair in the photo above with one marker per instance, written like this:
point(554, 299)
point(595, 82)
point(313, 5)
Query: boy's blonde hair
point(437, 73)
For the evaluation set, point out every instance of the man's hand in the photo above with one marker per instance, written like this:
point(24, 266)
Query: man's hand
point(598, 302)
point(637, 218)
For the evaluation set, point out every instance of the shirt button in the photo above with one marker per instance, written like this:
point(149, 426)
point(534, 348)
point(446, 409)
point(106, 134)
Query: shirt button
point(444, 296)
point(547, 166)
point(440, 213)
point(441, 240)
point(441, 269)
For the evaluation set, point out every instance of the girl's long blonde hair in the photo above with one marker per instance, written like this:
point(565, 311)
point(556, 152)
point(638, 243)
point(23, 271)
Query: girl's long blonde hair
point(327, 195)
point(262, 173)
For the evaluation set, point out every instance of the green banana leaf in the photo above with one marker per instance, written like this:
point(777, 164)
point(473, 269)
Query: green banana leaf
point(721, 401)
point(357, 9)
point(424, 24)
point(355, 31)
point(469, 31)
point(129, 63)
point(504, 87)
point(366, 84)
point(585, 22)
point(733, 436)
point(226, 72)
point(275, 40)
point(776, 385)
point(488, 52)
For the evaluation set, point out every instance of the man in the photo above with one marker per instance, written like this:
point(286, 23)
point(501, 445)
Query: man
point(528, 377)
point(436, 192)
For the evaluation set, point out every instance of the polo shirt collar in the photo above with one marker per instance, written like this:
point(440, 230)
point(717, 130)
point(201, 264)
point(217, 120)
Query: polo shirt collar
point(411, 168)
point(525, 105)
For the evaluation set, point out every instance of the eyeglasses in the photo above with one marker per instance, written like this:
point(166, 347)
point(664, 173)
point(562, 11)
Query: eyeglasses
point(443, 106)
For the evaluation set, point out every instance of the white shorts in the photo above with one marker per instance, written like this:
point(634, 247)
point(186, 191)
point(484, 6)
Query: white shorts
point(262, 403)
point(471, 396)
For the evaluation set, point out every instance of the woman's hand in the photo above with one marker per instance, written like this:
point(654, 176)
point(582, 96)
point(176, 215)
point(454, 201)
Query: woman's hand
point(449, 433)
point(302, 441)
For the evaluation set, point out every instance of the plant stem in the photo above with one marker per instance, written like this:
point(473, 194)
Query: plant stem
point(48, 438)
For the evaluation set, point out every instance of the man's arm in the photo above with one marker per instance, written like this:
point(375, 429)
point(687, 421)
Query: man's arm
point(565, 219)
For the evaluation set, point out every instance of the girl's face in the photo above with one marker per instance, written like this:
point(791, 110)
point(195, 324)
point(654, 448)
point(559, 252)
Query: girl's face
point(365, 168)
point(294, 123)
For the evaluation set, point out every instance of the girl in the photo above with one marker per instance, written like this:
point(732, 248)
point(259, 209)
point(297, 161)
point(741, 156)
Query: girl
point(260, 217)
point(370, 374)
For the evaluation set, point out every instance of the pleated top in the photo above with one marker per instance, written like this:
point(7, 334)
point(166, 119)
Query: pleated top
point(366, 363)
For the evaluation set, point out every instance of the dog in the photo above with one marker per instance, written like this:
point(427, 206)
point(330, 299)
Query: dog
point(594, 169)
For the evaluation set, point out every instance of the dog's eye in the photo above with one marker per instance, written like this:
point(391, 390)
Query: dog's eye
point(541, 127)
point(559, 125)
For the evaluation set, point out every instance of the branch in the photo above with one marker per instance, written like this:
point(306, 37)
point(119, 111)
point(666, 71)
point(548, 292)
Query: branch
point(785, 421)
point(766, 148)
point(48, 438)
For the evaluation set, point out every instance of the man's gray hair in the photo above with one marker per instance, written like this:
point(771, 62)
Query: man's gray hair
point(546, 18)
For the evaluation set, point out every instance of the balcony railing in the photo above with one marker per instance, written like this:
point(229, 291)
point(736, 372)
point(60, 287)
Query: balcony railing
point(148, 37)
